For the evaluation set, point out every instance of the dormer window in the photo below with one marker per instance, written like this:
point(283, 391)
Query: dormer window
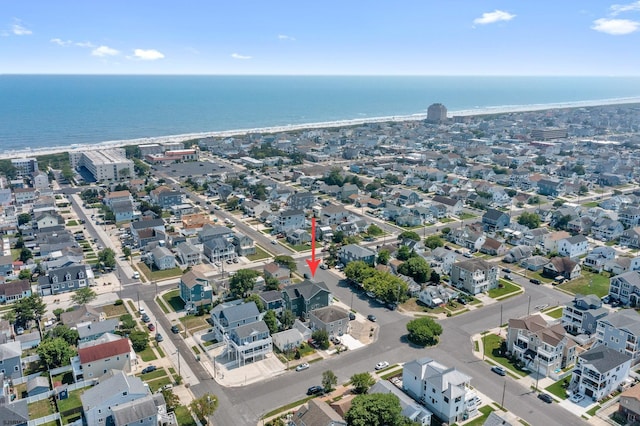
point(54, 279)
point(67, 277)
point(81, 275)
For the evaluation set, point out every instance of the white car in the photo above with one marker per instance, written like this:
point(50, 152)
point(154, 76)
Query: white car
point(302, 366)
point(381, 365)
point(576, 397)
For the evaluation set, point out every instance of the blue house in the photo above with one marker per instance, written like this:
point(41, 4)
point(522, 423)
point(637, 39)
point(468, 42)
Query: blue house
point(10, 364)
point(495, 220)
point(195, 290)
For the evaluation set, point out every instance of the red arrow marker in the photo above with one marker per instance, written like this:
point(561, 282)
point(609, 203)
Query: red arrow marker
point(313, 262)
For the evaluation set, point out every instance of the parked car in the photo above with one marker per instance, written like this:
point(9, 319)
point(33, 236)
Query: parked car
point(381, 365)
point(371, 317)
point(352, 316)
point(462, 300)
point(145, 318)
point(335, 340)
point(392, 306)
point(498, 369)
point(235, 260)
point(577, 397)
point(534, 281)
point(136, 275)
point(323, 266)
point(149, 369)
point(371, 294)
point(159, 337)
point(507, 270)
point(545, 397)
point(302, 366)
point(151, 327)
point(307, 276)
point(175, 329)
point(315, 390)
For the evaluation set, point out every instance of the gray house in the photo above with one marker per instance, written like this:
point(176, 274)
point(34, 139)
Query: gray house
point(61, 280)
point(163, 258)
point(10, 364)
point(332, 319)
point(353, 252)
point(581, 316)
point(495, 220)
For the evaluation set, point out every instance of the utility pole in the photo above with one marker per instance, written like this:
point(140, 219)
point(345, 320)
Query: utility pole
point(529, 306)
point(537, 369)
point(500, 325)
point(504, 388)
point(178, 352)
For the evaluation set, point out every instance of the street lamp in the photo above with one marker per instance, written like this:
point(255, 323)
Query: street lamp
point(178, 353)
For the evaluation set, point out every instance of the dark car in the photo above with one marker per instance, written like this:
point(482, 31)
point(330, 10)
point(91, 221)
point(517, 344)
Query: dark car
point(315, 390)
point(175, 329)
point(392, 306)
point(545, 397)
point(534, 281)
point(149, 369)
point(507, 270)
point(352, 316)
point(371, 317)
point(462, 300)
point(159, 337)
point(151, 327)
point(145, 318)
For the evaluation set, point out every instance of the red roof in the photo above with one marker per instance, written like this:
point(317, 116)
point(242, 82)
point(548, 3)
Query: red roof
point(104, 350)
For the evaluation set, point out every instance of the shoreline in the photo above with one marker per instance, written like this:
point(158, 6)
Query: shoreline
point(491, 110)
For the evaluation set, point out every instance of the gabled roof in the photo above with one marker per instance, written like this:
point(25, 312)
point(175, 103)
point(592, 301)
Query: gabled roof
point(13, 288)
point(603, 358)
point(236, 312)
point(10, 350)
point(317, 413)
point(99, 327)
point(192, 278)
point(82, 313)
point(474, 265)
point(137, 410)
point(104, 350)
point(113, 382)
point(306, 289)
point(330, 314)
point(246, 330)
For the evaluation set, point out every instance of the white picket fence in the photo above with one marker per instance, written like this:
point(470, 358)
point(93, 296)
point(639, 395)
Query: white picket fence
point(43, 420)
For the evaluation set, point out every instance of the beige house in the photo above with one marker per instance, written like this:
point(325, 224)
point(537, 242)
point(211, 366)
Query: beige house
point(334, 320)
point(98, 356)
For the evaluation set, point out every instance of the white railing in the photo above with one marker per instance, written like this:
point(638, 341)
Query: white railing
point(43, 420)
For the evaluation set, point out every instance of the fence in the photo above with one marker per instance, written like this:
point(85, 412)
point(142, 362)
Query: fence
point(44, 420)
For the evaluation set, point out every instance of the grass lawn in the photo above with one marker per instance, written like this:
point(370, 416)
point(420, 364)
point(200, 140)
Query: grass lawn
point(162, 305)
point(588, 283)
point(554, 312)
point(183, 416)
point(445, 220)
point(193, 323)
point(114, 311)
point(260, 254)
point(160, 372)
point(174, 300)
point(72, 402)
point(159, 275)
point(590, 204)
point(64, 378)
point(284, 407)
point(413, 305)
point(479, 421)
point(154, 385)
point(40, 409)
point(557, 388)
point(592, 412)
point(466, 216)
point(507, 288)
point(159, 349)
point(148, 354)
point(72, 223)
point(298, 248)
point(491, 343)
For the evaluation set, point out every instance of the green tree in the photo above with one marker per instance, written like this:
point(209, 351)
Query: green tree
point(362, 382)
point(424, 331)
point(391, 179)
point(383, 257)
point(338, 237)
point(287, 261)
point(322, 338)
point(107, 257)
point(287, 318)
point(409, 235)
point(57, 312)
point(583, 190)
point(127, 323)
point(8, 169)
point(139, 340)
point(329, 380)
point(434, 277)
point(416, 268)
point(445, 231)
point(563, 221)
point(9, 316)
point(530, 220)
point(83, 296)
point(25, 254)
point(558, 203)
point(172, 400)
point(67, 173)
point(126, 252)
point(433, 241)
point(404, 253)
point(243, 281)
point(69, 335)
point(55, 352)
point(578, 169)
point(233, 203)
point(24, 274)
point(204, 407)
point(374, 230)
point(358, 271)
point(334, 177)
point(271, 321)
point(271, 283)
point(29, 309)
point(256, 299)
point(377, 409)
point(24, 218)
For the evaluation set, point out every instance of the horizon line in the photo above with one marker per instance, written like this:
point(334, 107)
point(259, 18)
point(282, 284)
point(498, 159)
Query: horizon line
point(326, 75)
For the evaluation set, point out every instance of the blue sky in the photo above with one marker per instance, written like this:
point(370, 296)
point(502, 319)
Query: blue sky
point(353, 37)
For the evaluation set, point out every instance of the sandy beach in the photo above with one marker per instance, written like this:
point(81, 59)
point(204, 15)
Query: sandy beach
point(310, 126)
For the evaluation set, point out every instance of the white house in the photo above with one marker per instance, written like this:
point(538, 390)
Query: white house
point(446, 392)
point(599, 371)
point(573, 247)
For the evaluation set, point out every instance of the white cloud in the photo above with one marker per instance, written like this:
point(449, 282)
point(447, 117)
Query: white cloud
point(239, 56)
point(493, 17)
point(85, 44)
point(16, 29)
point(285, 37)
point(147, 54)
point(617, 9)
point(60, 42)
point(615, 26)
point(103, 51)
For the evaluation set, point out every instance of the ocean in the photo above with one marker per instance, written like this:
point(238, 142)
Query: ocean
point(46, 111)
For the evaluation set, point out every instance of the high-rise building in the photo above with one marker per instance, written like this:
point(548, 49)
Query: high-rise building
point(109, 164)
point(25, 166)
point(436, 113)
